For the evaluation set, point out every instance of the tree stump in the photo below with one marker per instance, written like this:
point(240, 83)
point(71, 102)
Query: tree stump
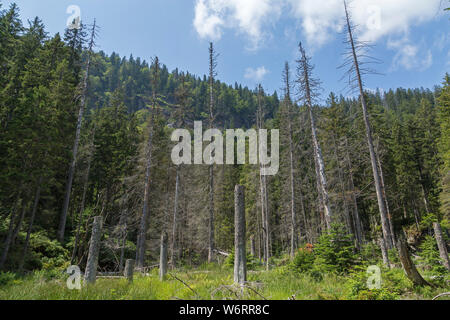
point(129, 270)
point(94, 249)
point(163, 257)
point(240, 259)
point(408, 266)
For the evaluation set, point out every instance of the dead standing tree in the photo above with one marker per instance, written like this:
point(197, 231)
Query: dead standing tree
point(94, 249)
point(84, 90)
point(265, 219)
point(307, 89)
point(353, 60)
point(141, 238)
point(289, 105)
point(212, 74)
point(240, 256)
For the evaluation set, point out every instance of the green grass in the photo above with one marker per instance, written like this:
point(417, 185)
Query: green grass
point(215, 282)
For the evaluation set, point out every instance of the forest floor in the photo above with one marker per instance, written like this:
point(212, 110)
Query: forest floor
point(213, 282)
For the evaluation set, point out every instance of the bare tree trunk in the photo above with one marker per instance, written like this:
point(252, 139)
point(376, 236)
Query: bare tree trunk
point(94, 250)
point(240, 257)
point(263, 191)
point(174, 225)
point(384, 252)
point(267, 222)
point(83, 201)
point(252, 245)
point(141, 240)
point(212, 74)
point(9, 236)
point(37, 197)
point(163, 257)
point(320, 167)
point(343, 193)
point(356, 219)
point(441, 245)
point(408, 265)
point(19, 223)
point(63, 218)
point(383, 188)
point(123, 222)
point(288, 102)
point(381, 202)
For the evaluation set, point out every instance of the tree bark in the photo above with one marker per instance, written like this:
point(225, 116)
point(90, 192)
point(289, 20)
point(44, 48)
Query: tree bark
point(383, 188)
point(240, 257)
point(263, 191)
point(129, 269)
point(441, 245)
point(175, 214)
point(356, 218)
point(94, 250)
point(408, 266)
point(384, 252)
point(212, 66)
point(163, 257)
point(252, 246)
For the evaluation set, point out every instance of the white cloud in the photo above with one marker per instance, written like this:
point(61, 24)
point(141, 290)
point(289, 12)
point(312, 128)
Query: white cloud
point(319, 20)
point(257, 74)
point(249, 17)
point(409, 56)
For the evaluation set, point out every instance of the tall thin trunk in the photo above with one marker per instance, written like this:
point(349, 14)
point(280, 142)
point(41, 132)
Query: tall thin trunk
point(356, 219)
point(37, 197)
point(63, 218)
point(9, 236)
point(384, 252)
point(267, 222)
point(212, 66)
point(174, 224)
point(383, 188)
point(288, 102)
point(263, 190)
point(83, 201)
point(320, 169)
point(124, 226)
point(376, 175)
point(343, 193)
point(240, 256)
point(19, 223)
point(141, 240)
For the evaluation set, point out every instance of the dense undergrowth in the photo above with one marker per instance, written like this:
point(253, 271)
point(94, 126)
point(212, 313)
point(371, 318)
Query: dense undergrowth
point(330, 270)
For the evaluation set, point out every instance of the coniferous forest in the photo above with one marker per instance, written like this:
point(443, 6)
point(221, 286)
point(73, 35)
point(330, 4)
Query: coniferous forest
point(86, 179)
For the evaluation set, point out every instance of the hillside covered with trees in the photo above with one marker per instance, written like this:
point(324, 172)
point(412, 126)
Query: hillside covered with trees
point(363, 180)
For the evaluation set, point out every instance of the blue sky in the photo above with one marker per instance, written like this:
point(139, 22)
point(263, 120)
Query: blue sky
point(255, 37)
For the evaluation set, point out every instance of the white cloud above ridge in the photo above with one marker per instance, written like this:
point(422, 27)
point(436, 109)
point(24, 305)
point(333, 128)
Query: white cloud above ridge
point(319, 20)
point(248, 17)
point(257, 75)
